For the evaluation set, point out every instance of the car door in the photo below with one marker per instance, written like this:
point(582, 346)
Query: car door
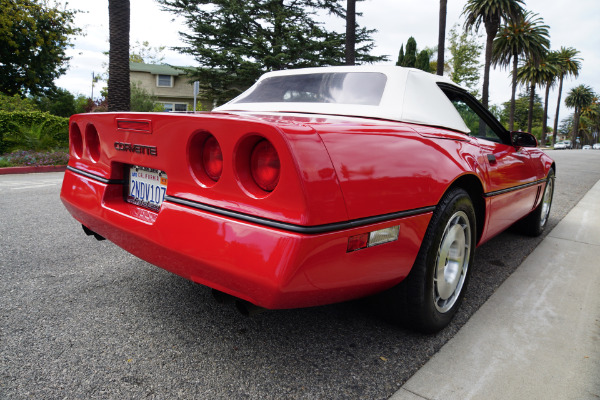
point(511, 182)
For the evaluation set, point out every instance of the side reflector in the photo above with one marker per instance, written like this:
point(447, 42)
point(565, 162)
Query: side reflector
point(374, 238)
point(358, 242)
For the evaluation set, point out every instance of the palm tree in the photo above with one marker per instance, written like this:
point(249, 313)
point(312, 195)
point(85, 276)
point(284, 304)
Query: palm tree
point(537, 75)
point(119, 91)
point(491, 13)
point(589, 122)
point(579, 97)
point(350, 32)
point(552, 70)
point(441, 38)
point(529, 74)
point(522, 36)
point(569, 64)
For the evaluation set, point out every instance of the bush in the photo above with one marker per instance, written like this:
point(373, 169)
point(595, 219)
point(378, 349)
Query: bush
point(16, 103)
point(34, 159)
point(26, 129)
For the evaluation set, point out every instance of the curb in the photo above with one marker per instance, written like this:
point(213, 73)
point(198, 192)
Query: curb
point(29, 170)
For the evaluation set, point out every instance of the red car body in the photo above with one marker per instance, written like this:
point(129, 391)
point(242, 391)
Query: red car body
point(339, 178)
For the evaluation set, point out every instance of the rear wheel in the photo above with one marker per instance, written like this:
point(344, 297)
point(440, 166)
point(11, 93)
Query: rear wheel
point(429, 297)
point(536, 221)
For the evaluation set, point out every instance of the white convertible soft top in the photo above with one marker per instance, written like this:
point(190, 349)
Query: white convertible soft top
point(409, 95)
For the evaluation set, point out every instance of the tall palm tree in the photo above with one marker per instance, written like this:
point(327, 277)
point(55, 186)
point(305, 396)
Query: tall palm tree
point(526, 36)
point(529, 74)
point(579, 97)
point(551, 66)
point(491, 13)
point(441, 38)
point(539, 75)
point(119, 92)
point(569, 64)
point(350, 32)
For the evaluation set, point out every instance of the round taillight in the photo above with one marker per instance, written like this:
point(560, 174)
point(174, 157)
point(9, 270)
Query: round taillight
point(264, 165)
point(212, 158)
point(92, 142)
point(76, 140)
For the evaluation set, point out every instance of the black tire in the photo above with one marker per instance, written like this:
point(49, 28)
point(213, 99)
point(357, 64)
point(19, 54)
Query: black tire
point(535, 223)
point(423, 302)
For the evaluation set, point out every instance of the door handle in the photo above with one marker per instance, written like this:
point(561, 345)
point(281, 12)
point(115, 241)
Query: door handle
point(491, 158)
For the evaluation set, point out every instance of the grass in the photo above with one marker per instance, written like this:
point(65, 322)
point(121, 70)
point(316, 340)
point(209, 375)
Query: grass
point(31, 158)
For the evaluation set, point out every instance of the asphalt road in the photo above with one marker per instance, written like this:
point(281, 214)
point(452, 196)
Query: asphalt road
point(81, 319)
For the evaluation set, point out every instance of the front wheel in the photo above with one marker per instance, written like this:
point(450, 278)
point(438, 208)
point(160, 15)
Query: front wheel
point(430, 295)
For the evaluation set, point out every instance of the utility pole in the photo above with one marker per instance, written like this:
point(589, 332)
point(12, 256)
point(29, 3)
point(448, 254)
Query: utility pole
point(196, 91)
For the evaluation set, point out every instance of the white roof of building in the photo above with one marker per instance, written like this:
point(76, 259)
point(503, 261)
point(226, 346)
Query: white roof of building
point(410, 95)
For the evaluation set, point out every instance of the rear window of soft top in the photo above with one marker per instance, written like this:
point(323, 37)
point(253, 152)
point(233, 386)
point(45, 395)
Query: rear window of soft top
point(363, 88)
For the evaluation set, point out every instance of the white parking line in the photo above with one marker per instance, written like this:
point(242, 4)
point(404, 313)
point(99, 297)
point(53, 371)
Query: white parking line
point(28, 184)
point(33, 186)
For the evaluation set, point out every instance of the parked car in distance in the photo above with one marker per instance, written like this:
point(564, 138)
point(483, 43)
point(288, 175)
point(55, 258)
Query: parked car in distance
point(314, 186)
point(596, 146)
point(560, 146)
point(568, 144)
point(586, 147)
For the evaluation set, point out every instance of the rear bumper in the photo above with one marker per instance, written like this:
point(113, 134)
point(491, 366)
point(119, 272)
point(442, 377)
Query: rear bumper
point(270, 267)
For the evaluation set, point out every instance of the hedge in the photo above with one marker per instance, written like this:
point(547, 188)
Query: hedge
point(12, 122)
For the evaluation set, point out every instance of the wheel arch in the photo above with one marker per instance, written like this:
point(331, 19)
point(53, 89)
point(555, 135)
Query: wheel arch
point(472, 185)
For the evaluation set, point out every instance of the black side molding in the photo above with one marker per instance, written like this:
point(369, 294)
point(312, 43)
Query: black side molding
point(512, 189)
point(96, 177)
point(315, 229)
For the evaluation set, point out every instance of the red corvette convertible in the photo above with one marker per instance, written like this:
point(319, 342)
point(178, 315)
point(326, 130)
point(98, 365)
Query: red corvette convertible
point(314, 186)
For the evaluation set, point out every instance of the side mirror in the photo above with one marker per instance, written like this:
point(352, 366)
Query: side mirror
point(523, 139)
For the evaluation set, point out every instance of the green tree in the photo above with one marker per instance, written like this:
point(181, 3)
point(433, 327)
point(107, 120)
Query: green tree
point(119, 91)
point(526, 36)
point(235, 42)
point(81, 103)
point(410, 56)
point(521, 113)
point(33, 38)
point(465, 50)
point(59, 102)
point(400, 56)
point(590, 121)
point(491, 13)
point(579, 97)
point(551, 70)
point(422, 62)
point(141, 99)
point(569, 64)
point(441, 37)
point(142, 52)
point(533, 74)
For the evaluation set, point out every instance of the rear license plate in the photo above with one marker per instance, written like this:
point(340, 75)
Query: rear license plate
point(147, 187)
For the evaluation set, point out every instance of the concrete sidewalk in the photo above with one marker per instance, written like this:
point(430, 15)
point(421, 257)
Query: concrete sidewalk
point(538, 336)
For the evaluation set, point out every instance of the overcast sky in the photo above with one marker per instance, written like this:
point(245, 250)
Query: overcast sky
point(573, 23)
